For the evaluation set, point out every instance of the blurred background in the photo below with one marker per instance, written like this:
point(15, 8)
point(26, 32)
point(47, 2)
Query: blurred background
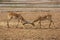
point(27, 0)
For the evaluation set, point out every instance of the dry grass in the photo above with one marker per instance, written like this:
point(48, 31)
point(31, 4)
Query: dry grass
point(29, 32)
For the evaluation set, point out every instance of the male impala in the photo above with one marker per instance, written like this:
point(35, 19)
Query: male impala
point(46, 17)
point(12, 15)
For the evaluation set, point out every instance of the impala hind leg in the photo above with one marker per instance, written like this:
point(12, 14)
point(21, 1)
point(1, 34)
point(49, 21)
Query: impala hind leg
point(8, 22)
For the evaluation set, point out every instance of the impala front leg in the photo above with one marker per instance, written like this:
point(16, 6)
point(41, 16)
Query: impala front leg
point(40, 23)
point(53, 23)
point(18, 23)
point(50, 23)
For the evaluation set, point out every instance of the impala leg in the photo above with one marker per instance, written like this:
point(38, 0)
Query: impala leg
point(40, 23)
point(53, 23)
point(50, 23)
point(18, 23)
point(8, 22)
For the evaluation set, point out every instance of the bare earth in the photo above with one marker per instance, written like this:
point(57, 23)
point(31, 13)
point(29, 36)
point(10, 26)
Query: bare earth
point(29, 32)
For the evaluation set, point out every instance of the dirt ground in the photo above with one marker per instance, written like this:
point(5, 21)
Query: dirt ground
point(29, 32)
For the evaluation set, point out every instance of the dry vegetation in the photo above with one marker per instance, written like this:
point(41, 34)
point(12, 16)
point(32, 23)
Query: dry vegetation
point(28, 32)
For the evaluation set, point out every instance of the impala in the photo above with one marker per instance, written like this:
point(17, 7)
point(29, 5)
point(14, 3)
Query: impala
point(14, 15)
point(46, 17)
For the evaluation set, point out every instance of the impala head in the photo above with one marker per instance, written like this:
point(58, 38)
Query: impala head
point(13, 15)
point(48, 16)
